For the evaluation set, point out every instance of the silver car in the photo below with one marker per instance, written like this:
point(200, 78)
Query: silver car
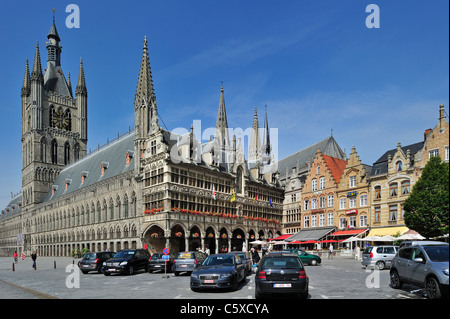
point(187, 261)
point(424, 265)
point(379, 256)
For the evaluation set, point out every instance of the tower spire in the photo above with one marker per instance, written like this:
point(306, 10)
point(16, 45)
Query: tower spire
point(255, 144)
point(144, 90)
point(221, 133)
point(266, 145)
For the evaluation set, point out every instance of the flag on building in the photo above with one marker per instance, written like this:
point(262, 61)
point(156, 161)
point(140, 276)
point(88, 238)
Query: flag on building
point(233, 196)
point(270, 202)
point(256, 197)
point(213, 192)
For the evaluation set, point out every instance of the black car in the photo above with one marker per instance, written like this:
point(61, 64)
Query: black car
point(246, 259)
point(219, 271)
point(94, 261)
point(156, 262)
point(281, 273)
point(127, 262)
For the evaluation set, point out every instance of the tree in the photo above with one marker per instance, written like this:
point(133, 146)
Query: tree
point(427, 207)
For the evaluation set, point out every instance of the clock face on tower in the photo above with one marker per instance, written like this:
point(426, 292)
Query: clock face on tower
point(61, 120)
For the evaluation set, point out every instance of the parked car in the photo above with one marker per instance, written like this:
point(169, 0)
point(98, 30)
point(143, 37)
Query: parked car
point(127, 262)
point(379, 256)
point(424, 265)
point(246, 260)
point(187, 261)
point(93, 261)
point(306, 258)
point(156, 262)
point(281, 273)
point(415, 242)
point(219, 271)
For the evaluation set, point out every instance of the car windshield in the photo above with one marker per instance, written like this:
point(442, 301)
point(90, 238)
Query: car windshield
point(90, 256)
point(156, 256)
point(281, 262)
point(124, 253)
point(437, 253)
point(219, 261)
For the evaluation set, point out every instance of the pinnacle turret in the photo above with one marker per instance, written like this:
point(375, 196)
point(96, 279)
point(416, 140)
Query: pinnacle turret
point(221, 134)
point(81, 84)
point(36, 73)
point(26, 87)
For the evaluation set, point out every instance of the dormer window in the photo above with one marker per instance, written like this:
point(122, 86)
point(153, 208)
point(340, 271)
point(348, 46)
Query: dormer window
point(54, 189)
point(103, 167)
point(67, 183)
point(129, 155)
point(84, 174)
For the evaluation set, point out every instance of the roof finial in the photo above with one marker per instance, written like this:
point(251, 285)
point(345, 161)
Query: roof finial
point(53, 14)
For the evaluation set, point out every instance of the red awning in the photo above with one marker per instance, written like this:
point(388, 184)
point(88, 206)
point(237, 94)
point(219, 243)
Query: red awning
point(348, 232)
point(328, 241)
point(282, 237)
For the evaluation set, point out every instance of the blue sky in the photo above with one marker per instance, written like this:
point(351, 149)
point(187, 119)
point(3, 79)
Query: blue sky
point(314, 64)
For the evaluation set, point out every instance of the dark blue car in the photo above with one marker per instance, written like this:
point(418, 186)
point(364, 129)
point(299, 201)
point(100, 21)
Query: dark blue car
point(219, 271)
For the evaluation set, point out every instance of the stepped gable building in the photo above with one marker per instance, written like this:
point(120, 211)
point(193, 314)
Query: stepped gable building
point(148, 188)
point(353, 198)
point(294, 170)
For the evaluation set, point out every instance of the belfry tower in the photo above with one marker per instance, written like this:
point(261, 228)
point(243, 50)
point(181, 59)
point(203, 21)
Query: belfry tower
point(54, 123)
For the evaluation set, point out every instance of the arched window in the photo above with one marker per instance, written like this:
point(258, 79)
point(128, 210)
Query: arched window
point(393, 189)
point(54, 150)
point(405, 187)
point(68, 120)
point(43, 150)
point(377, 192)
point(314, 184)
point(239, 181)
point(66, 153)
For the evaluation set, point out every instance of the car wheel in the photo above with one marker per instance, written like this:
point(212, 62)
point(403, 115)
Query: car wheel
point(130, 270)
point(313, 262)
point(380, 265)
point(106, 273)
point(177, 273)
point(432, 288)
point(396, 283)
point(84, 272)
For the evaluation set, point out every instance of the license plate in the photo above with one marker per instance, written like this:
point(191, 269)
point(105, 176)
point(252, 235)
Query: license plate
point(184, 265)
point(208, 281)
point(112, 270)
point(157, 266)
point(84, 266)
point(282, 285)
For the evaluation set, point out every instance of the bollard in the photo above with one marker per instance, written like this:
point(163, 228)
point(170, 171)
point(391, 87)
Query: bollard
point(13, 269)
point(54, 264)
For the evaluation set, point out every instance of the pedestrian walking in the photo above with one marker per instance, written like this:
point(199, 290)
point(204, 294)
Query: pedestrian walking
point(330, 251)
point(357, 252)
point(255, 256)
point(33, 257)
point(16, 255)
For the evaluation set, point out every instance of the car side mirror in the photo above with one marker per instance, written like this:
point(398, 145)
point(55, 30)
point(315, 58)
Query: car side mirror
point(418, 260)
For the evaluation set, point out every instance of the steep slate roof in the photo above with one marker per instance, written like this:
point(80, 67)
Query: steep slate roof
point(327, 146)
point(113, 154)
point(336, 166)
point(381, 165)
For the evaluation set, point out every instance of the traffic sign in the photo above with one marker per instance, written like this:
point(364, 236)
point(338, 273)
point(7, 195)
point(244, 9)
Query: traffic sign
point(166, 257)
point(166, 251)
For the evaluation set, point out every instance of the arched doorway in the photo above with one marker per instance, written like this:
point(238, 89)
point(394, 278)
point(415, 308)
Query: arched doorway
point(195, 241)
point(237, 240)
point(223, 241)
point(154, 238)
point(210, 240)
point(177, 239)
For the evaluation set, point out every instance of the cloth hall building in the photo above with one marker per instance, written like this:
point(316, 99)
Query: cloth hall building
point(148, 188)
